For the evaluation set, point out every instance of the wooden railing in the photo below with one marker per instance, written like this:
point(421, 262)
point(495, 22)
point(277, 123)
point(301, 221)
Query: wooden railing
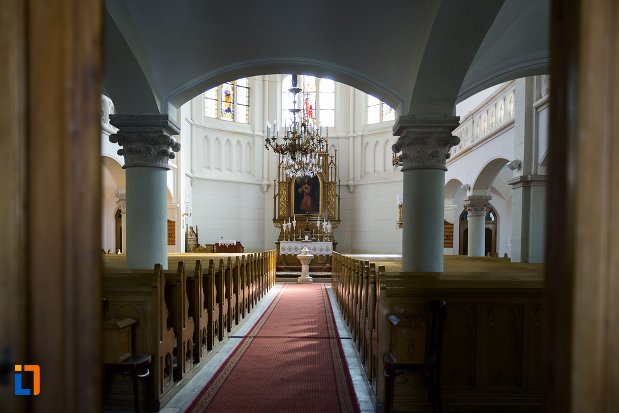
point(492, 342)
point(183, 313)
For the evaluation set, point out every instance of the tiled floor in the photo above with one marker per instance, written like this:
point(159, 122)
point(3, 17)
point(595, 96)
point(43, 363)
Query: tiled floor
point(191, 389)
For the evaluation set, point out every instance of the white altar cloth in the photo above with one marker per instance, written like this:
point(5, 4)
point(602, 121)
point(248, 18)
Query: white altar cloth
point(315, 247)
point(226, 242)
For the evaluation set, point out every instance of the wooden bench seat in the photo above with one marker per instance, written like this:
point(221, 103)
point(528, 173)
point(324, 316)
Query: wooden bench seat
point(492, 334)
point(199, 300)
point(181, 319)
point(140, 295)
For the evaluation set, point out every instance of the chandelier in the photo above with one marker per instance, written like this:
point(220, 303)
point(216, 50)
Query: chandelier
point(302, 142)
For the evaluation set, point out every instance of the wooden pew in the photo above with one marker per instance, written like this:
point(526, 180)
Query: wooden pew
point(244, 287)
point(140, 294)
point(492, 342)
point(199, 306)
point(199, 310)
point(182, 321)
point(221, 299)
point(212, 306)
point(492, 338)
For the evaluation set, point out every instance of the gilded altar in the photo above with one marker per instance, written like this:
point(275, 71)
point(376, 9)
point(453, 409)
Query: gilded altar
point(307, 208)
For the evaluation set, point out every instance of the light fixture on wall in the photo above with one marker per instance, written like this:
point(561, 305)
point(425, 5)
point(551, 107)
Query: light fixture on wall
point(516, 164)
point(399, 200)
point(302, 141)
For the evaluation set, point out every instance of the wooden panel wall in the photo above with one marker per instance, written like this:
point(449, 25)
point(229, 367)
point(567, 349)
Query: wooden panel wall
point(491, 349)
point(13, 318)
point(50, 211)
point(582, 279)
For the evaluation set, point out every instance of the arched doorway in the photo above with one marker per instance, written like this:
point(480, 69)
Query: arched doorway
point(118, 219)
point(490, 233)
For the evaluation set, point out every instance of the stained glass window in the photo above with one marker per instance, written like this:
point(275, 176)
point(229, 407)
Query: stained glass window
point(379, 111)
point(317, 100)
point(229, 101)
point(226, 103)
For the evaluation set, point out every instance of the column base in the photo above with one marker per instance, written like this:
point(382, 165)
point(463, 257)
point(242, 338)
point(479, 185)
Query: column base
point(305, 279)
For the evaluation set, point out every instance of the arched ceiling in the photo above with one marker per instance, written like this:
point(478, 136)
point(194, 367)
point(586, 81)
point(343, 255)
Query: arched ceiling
point(417, 55)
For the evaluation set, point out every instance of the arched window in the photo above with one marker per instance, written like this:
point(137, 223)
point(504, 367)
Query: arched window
point(379, 111)
point(326, 99)
point(317, 100)
point(229, 101)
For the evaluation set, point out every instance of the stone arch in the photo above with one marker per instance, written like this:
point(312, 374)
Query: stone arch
point(367, 159)
point(217, 154)
point(239, 157)
point(116, 171)
point(207, 152)
point(113, 184)
point(387, 155)
point(227, 155)
point(187, 90)
point(486, 177)
point(451, 188)
point(249, 162)
point(378, 158)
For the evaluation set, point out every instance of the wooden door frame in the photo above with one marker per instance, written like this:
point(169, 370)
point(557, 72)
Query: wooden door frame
point(582, 249)
point(50, 214)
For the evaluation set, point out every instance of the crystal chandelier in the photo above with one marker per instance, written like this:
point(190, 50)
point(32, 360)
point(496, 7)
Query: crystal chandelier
point(302, 142)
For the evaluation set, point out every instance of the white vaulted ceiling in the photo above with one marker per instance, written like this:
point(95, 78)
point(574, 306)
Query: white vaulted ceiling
point(419, 56)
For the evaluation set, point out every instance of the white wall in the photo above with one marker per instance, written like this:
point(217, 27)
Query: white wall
point(373, 217)
point(234, 211)
point(229, 175)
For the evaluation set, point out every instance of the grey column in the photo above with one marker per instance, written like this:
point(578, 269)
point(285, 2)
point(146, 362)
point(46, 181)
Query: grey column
point(147, 145)
point(424, 143)
point(476, 209)
point(528, 218)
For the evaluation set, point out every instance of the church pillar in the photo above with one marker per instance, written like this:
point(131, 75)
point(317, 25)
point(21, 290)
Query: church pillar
point(476, 209)
point(147, 145)
point(528, 218)
point(424, 143)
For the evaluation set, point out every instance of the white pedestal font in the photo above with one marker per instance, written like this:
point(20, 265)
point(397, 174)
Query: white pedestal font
point(305, 257)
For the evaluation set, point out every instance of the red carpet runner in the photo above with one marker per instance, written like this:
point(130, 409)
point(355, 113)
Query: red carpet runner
point(290, 361)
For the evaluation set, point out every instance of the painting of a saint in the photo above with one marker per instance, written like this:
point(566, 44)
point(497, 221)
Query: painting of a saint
point(307, 195)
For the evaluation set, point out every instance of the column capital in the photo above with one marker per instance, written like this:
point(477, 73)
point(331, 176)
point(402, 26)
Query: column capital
point(477, 205)
point(425, 140)
point(146, 140)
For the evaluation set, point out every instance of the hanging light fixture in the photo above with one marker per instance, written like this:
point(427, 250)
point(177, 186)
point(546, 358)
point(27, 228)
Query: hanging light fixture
point(302, 143)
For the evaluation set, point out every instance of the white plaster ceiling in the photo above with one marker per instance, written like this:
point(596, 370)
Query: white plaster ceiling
point(419, 56)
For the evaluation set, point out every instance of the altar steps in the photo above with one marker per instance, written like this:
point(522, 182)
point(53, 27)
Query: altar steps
point(324, 268)
point(288, 276)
